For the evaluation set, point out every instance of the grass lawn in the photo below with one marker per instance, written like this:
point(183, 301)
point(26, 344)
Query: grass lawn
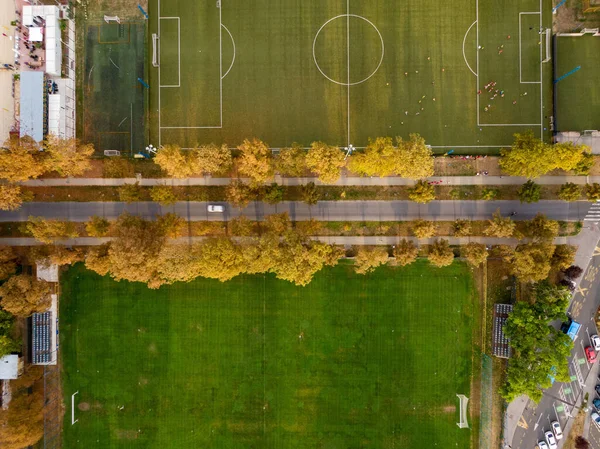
point(342, 71)
point(346, 362)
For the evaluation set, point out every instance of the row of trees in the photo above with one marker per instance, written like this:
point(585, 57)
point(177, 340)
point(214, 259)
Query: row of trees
point(255, 160)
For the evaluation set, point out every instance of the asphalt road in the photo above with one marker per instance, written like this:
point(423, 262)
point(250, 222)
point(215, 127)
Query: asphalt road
point(323, 211)
point(559, 402)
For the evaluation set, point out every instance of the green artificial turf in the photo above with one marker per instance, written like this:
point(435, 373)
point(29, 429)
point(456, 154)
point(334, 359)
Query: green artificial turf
point(578, 95)
point(286, 79)
point(347, 362)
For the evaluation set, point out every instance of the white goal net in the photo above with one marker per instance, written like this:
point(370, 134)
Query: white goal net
point(547, 46)
point(463, 401)
point(154, 50)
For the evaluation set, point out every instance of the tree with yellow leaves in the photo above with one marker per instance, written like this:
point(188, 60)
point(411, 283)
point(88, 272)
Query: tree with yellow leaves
point(213, 159)
point(255, 160)
point(424, 229)
point(176, 162)
point(413, 160)
point(379, 158)
point(67, 157)
point(422, 192)
point(49, 231)
point(440, 253)
point(326, 161)
point(291, 161)
point(367, 259)
point(20, 160)
point(500, 226)
point(405, 252)
point(23, 295)
point(474, 253)
point(11, 197)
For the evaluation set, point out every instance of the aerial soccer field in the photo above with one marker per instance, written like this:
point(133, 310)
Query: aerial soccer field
point(349, 361)
point(342, 71)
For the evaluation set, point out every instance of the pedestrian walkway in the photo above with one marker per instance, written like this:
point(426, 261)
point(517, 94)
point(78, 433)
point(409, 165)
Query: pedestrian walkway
point(593, 213)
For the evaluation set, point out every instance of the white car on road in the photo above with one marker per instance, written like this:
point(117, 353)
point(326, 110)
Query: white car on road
point(550, 440)
point(215, 208)
point(595, 342)
point(596, 417)
point(542, 445)
point(558, 433)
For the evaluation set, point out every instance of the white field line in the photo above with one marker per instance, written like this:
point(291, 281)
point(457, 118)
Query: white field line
point(541, 80)
point(477, 45)
point(131, 127)
point(158, 49)
point(178, 51)
point(463, 49)
point(221, 64)
point(348, 62)
point(233, 43)
point(520, 59)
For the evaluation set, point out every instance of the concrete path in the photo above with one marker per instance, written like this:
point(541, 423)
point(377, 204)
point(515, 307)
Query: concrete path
point(344, 181)
point(323, 211)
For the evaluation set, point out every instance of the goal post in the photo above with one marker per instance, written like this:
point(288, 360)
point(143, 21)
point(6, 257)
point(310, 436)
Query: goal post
point(155, 62)
point(547, 48)
point(109, 19)
point(463, 401)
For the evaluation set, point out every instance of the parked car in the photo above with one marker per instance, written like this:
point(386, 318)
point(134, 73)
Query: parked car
point(550, 439)
point(596, 417)
point(590, 354)
point(595, 342)
point(598, 389)
point(558, 433)
point(542, 445)
point(215, 208)
point(596, 404)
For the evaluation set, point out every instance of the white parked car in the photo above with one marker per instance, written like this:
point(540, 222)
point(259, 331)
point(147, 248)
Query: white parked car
point(595, 342)
point(542, 445)
point(215, 208)
point(596, 417)
point(550, 440)
point(558, 433)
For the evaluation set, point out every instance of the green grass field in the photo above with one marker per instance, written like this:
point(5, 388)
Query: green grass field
point(578, 95)
point(346, 362)
point(346, 70)
point(113, 105)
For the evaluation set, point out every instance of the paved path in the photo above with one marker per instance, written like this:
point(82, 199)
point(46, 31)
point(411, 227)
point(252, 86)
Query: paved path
point(323, 211)
point(345, 180)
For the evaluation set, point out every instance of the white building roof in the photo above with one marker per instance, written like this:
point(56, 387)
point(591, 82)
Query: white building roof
point(32, 105)
point(36, 34)
point(51, 14)
point(9, 367)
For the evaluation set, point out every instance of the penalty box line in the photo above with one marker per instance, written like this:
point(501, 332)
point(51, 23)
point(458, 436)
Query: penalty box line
point(160, 128)
point(520, 49)
point(178, 52)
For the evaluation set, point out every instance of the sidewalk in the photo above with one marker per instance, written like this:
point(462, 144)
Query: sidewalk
point(344, 181)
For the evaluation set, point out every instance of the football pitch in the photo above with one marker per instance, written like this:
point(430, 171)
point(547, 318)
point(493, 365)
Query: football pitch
point(464, 74)
point(346, 362)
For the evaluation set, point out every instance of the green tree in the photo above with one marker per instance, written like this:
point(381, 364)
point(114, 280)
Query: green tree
point(367, 259)
point(379, 158)
point(291, 161)
point(422, 192)
point(239, 194)
point(310, 193)
point(474, 253)
point(50, 231)
point(213, 159)
point(405, 252)
point(462, 228)
point(273, 193)
point(24, 295)
point(255, 161)
point(424, 229)
point(97, 226)
point(440, 253)
point(130, 193)
point(585, 165)
point(414, 159)
point(569, 192)
point(529, 192)
point(592, 192)
point(326, 161)
point(489, 194)
point(500, 226)
point(163, 195)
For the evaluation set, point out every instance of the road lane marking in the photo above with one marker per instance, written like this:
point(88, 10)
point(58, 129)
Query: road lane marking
point(522, 423)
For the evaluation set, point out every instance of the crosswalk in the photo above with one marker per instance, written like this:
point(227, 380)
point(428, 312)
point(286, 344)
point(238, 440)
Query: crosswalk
point(593, 213)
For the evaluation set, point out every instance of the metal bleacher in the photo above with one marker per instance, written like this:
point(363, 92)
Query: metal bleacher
point(501, 345)
point(41, 339)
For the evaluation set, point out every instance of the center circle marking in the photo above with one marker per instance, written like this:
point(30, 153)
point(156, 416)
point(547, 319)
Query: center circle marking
point(380, 59)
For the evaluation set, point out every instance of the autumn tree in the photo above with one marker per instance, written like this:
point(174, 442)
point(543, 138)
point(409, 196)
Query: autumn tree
point(592, 191)
point(212, 159)
point(23, 295)
point(474, 253)
point(273, 193)
point(310, 193)
point(530, 192)
point(569, 192)
point(291, 161)
point(405, 252)
point(11, 197)
point(532, 261)
point(277, 224)
point(55, 255)
point(563, 257)
point(585, 165)
point(170, 224)
point(97, 226)
point(367, 259)
point(8, 263)
point(241, 226)
point(500, 226)
point(422, 192)
point(67, 157)
point(504, 252)
point(414, 159)
point(176, 162)
point(20, 160)
point(379, 158)
point(98, 260)
point(130, 193)
point(489, 194)
point(50, 231)
point(239, 194)
point(255, 161)
point(219, 258)
point(540, 228)
point(440, 253)
point(326, 161)
point(582, 443)
point(117, 167)
point(163, 195)
point(462, 228)
point(424, 229)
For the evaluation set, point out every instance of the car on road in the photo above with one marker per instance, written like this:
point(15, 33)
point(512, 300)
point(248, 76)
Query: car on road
point(596, 403)
point(215, 208)
point(549, 436)
point(595, 342)
point(598, 389)
point(542, 445)
point(558, 433)
point(596, 417)
point(590, 354)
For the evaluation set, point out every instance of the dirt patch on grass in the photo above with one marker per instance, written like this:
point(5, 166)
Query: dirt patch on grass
point(449, 408)
point(126, 434)
point(152, 348)
point(84, 406)
point(576, 431)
